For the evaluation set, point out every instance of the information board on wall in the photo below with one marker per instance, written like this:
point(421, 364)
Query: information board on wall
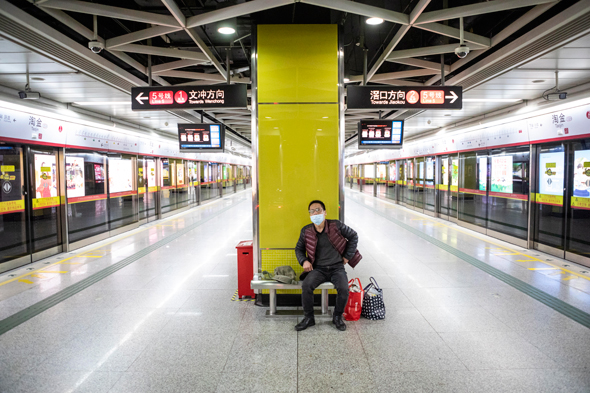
point(189, 97)
point(502, 171)
point(380, 134)
point(404, 97)
point(201, 137)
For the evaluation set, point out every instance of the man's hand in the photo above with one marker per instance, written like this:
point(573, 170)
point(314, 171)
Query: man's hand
point(307, 266)
point(345, 260)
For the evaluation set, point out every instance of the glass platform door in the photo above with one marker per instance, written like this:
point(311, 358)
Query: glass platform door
point(44, 199)
point(444, 192)
point(577, 243)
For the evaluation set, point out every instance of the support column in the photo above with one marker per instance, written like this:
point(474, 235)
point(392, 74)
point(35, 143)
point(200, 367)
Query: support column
point(296, 135)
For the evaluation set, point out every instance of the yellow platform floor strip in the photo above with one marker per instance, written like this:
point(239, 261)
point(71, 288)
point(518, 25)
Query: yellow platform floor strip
point(235, 298)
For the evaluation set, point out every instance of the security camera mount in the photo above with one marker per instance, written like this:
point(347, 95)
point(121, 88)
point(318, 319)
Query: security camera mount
point(462, 50)
point(554, 94)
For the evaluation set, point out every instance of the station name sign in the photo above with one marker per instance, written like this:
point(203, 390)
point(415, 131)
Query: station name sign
point(404, 97)
point(188, 97)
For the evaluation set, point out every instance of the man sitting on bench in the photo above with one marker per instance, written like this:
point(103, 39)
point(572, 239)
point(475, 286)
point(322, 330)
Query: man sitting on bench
point(324, 247)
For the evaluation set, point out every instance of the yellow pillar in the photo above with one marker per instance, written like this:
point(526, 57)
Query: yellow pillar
point(298, 134)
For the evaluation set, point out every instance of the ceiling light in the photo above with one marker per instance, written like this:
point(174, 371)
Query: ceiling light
point(226, 30)
point(374, 21)
point(90, 103)
point(491, 99)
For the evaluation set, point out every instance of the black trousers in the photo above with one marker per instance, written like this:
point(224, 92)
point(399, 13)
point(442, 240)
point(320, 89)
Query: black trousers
point(336, 275)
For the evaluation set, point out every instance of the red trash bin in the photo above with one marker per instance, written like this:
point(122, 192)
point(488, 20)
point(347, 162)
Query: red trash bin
point(245, 268)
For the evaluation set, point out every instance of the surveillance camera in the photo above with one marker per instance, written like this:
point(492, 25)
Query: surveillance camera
point(29, 95)
point(461, 51)
point(96, 46)
point(556, 96)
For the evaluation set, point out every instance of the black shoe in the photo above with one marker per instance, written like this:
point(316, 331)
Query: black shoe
point(307, 322)
point(340, 325)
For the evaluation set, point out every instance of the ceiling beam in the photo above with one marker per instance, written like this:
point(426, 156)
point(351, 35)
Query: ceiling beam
point(501, 36)
point(399, 82)
point(202, 76)
point(154, 50)
point(421, 63)
point(361, 9)
point(397, 37)
point(392, 44)
point(173, 65)
point(427, 51)
point(192, 32)
point(140, 35)
point(418, 9)
point(85, 7)
point(234, 11)
point(476, 9)
point(449, 31)
point(175, 11)
point(403, 74)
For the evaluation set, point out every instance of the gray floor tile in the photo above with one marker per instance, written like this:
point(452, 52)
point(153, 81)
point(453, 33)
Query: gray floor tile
point(169, 380)
point(462, 319)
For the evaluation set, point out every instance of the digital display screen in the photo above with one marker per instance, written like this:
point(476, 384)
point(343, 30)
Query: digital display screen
point(380, 134)
point(206, 137)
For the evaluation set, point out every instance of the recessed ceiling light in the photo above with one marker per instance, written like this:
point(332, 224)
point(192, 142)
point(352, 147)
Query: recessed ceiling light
point(226, 30)
point(374, 21)
point(36, 78)
point(539, 81)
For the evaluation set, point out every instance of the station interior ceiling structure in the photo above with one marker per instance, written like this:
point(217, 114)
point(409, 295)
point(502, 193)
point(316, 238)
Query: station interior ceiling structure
point(516, 47)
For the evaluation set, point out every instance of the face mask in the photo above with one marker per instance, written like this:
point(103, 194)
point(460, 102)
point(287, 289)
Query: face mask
point(317, 218)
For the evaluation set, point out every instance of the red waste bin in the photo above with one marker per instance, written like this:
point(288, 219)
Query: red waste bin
point(245, 268)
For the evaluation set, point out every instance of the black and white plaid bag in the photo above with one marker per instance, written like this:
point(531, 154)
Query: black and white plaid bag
point(373, 306)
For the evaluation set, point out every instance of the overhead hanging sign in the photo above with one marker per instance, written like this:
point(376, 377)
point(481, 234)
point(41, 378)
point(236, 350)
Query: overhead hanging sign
point(404, 97)
point(188, 97)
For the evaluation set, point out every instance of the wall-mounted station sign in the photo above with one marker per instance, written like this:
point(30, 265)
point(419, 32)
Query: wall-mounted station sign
point(204, 138)
point(404, 97)
point(188, 97)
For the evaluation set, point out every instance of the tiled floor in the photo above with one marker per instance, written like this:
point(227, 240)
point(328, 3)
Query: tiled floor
point(166, 323)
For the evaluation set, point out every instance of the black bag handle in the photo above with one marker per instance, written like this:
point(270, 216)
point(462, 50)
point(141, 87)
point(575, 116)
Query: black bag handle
point(374, 282)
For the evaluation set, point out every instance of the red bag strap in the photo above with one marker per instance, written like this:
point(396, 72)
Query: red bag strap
point(352, 281)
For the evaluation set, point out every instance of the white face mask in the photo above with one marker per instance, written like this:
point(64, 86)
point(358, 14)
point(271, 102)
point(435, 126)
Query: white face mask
point(317, 218)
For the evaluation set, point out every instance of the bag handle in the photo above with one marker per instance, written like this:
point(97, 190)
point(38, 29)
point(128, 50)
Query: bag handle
point(374, 282)
point(359, 281)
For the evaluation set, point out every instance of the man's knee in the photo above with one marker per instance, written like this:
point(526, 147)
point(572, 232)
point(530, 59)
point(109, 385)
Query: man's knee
point(342, 288)
point(307, 285)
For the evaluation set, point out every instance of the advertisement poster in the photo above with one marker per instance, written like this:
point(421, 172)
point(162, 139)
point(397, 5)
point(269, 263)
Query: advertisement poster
point(455, 173)
point(98, 173)
point(75, 176)
point(151, 173)
point(180, 174)
point(381, 172)
point(551, 170)
point(411, 170)
point(405, 172)
point(483, 173)
point(443, 171)
point(120, 175)
point(45, 176)
point(502, 171)
point(582, 174)
point(421, 170)
point(392, 172)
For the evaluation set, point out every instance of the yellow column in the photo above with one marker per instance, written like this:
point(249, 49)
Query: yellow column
point(298, 143)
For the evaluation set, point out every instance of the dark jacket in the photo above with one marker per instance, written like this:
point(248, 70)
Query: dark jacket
point(343, 238)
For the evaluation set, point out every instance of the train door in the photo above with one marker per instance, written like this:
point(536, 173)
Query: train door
point(561, 201)
point(30, 205)
point(381, 179)
point(454, 194)
point(391, 191)
point(45, 214)
point(442, 184)
point(419, 185)
point(429, 190)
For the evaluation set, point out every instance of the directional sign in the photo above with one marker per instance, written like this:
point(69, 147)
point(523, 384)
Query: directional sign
point(188, 97)
point(404, 97)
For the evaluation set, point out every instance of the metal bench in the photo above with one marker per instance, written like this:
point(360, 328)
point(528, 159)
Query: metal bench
point(272, 287)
